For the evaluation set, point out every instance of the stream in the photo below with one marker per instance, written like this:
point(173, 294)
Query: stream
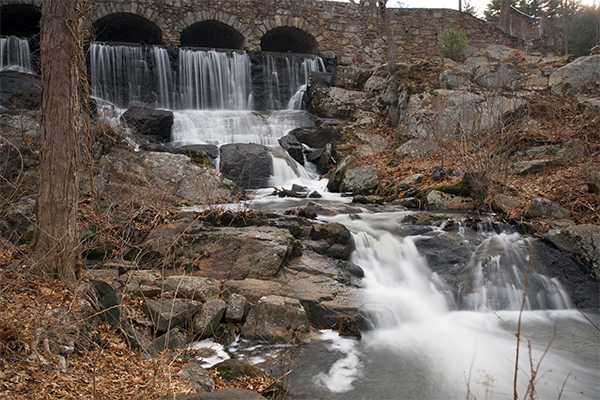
point(426, 341)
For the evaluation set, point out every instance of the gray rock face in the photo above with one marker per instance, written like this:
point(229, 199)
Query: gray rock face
point(570, 79)
point(225, 394)
point(167, 314)
point(532, 167)
point(198, 378)
point(19, 90)
point(207, 321)
point(544, 208)
point(457, 77)
point(497, 52)
point(222, 253)
point(338, 103)
point(362, 180)
point(166, 175)
point(149, 121)
point(173, 339)
point(335, 238)
point(326, 130)
point(410, 181)
point(276, 318)
point(498, 76)
point(338, 174)
point(248, 165)
point(416, 149)
point(294, 148)
point(236, 308)
point(374, 84)
point(437, 200)
point(351, 77)
point(193, 287)
point(504, 204)
point(581, 242)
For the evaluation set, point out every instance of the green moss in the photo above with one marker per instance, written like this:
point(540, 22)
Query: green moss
point(26, 237)
point(99, 249)
point(461, 188)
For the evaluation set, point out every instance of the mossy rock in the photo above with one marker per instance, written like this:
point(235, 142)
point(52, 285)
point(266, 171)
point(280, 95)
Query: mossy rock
point(198, 157)
point(99, 249)
point(232, 369)
point(461, 188)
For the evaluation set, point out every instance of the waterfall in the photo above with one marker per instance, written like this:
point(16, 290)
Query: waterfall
point(125, 75)
point(14, 54)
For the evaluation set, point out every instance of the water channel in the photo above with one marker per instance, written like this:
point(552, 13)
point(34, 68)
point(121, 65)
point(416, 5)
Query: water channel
point(427, 342)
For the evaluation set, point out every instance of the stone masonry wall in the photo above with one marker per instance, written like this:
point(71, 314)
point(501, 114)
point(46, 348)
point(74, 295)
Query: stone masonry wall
point(353, 32)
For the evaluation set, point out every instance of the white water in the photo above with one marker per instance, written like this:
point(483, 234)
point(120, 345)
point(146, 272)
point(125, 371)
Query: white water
point(424, 348)
point(14, 54)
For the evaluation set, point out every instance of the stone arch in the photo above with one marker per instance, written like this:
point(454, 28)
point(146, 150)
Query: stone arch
point(127, 27)
point(286, 39)
point(212, 33)
point(20, 19)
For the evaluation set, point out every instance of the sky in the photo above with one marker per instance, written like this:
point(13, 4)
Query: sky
point(479, 5)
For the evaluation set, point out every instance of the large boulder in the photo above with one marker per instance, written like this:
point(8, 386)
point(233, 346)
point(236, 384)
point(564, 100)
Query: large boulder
point(326, 130)
point(581, 242)
point(193, 287)
point(544, 208)
point(436, 115)
point(174, 177)
point(276, 318)
point(208, 319)
point(249, 165)
point(335, 180)
point(199, 379)
point(339, 103)
point(19, 90)
point(149, 121)
point(571, 78)
point(417, 148)
point(294, 148)
point(437, 200)
point(170, 313)
point(362, 180)
point(221, 253)
point(498, 76)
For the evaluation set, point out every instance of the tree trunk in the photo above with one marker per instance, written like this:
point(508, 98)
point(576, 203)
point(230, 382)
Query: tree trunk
point(391, 40)
point(565, 10)
point(56, 245)
point(505, 16)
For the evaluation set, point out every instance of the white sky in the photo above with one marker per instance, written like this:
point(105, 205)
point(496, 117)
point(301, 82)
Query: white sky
point(479, 5)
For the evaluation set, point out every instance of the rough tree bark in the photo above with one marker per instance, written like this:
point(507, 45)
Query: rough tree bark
point(505, 16)
point(391, 40)
point(56, 245)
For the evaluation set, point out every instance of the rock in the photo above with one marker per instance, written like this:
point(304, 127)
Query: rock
point(376, 142)
point(19, 90)
point(134, 279)
point(170, 313)
point(594, 181)
point(504, 204)
point(126, 175)
point(498, 76)
point(193, 287)
point(347, 327)
point(532, 167)
point(237, 305)
point(437, 200)
point(136, 339)
point(416, 149)
point(225, 394)
point(336, 102)
point(336, 238)
point(232, 369)
point(173, 339)
point(149, 121)
point(544, 208)
point(457, 77)
point(326, 130)
point(360, 199)
point(436, 114)
point(225, 334)
point(293, 147)
point(375, 84)
point(276, 318)
point(199, 379)
point(250, 165)
point(497, 52)
point(335, 180)
point(115, 312)
point(438, 173)
point(208, 319)
point(362, 180)
point(408, 202)
point(581, 242)
point(571, 78)
point(351, 77)
point(589, 107)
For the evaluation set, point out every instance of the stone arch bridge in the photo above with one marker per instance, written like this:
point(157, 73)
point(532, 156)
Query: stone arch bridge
point(354, 33)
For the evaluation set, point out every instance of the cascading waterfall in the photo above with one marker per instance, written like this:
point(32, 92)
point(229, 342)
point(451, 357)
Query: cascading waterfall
point(424, 346)
point(14, 54)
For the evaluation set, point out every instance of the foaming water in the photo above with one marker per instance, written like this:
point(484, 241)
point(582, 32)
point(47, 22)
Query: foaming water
point(14, 54)
point(424, 347)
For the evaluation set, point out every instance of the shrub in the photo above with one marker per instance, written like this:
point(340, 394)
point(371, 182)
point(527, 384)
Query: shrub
point(452, 41)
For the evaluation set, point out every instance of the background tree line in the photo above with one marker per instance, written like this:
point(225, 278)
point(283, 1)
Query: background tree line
point(580, 23)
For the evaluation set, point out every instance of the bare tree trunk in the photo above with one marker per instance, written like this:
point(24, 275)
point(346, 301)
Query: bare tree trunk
point(505, 16)
point(459, 5)
point(56, 244)
point(565, 10)
point(391, 40)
